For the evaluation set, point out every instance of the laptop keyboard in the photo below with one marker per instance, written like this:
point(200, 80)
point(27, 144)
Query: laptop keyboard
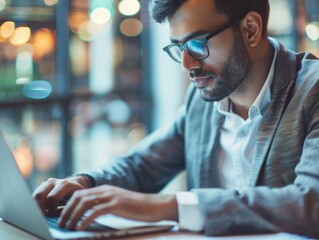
point(94, 227)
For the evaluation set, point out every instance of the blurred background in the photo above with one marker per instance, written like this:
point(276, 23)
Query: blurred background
point(82, 81)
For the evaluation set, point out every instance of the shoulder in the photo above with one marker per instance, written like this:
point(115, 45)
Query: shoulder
point(308, 70)
point(306, 92)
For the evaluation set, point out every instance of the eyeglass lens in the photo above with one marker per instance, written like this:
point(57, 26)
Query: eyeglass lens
point(195, 47)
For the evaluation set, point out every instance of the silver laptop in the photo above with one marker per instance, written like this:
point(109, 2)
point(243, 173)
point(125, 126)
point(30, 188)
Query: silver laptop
point(18, 208)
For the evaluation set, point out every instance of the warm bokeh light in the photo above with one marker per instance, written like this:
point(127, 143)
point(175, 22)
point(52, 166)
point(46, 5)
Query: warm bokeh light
point(100, 15)
point(312, 31)
point(23, 157)
point(129, 7)
point(79, 56)
point(131, 27)
point(7, 29)
point(51, 2)
point(46, 156)
point(119, 49)
point(76, 19)
point(43, 43)
point(20, 36)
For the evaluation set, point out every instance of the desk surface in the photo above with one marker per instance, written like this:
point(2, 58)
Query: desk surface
point(9, 232)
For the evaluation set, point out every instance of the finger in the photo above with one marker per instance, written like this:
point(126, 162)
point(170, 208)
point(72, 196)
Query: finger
point(41, 192)
point(86, 203)
point(80, 209)
point(64, 216)
point(70, 208)
point(97, 190)
point(87, 220)
point(61, 191)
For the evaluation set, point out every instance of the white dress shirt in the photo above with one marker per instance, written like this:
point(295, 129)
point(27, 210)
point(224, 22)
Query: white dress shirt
point(238, 142)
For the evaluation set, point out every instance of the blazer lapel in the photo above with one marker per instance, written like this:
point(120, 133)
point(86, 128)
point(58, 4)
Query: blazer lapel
point(281, 89)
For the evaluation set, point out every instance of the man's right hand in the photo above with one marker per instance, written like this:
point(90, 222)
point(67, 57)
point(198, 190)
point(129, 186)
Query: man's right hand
point(51, 193)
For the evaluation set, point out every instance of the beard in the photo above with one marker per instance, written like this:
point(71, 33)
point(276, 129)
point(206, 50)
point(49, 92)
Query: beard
point(232, 75)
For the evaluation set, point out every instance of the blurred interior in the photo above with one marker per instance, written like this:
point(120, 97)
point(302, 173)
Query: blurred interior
point(82, 81)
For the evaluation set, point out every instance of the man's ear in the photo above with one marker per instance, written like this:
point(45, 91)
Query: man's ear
point(252, 25)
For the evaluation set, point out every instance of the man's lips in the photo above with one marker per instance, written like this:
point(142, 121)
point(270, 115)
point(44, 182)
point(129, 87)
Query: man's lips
point(202, 81)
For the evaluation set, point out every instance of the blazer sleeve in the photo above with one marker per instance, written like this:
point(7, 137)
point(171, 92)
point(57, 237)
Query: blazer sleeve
point(152, 163)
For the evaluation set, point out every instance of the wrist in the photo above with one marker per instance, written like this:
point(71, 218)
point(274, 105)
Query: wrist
point(84, 180)
point(168, 208)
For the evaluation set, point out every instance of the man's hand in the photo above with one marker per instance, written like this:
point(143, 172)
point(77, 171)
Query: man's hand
point(108, 199)
point(51, 192)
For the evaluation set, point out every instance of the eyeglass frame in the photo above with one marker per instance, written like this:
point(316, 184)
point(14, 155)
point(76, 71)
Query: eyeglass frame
point(182, 46)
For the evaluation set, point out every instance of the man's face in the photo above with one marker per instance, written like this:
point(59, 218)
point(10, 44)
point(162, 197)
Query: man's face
point(228, 63)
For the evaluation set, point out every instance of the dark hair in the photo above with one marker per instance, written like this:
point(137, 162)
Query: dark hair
point(162, 10)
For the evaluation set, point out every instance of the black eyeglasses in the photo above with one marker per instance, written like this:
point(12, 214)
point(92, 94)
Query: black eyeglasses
point(197, 47)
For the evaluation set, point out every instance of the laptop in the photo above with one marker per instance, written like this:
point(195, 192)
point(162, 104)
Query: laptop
point(19, 208)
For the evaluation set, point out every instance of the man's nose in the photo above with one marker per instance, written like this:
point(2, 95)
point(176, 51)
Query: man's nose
point(188, 62)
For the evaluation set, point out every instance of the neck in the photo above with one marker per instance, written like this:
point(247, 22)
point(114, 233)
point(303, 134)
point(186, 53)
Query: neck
point(243, 97)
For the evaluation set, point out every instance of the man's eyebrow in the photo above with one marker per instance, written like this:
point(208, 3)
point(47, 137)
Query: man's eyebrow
point(190, 36)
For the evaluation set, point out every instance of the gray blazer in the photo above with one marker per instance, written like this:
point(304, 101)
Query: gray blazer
point(283, 192)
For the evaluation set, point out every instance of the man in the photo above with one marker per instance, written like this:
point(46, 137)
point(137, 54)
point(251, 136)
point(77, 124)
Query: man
point(248, 135)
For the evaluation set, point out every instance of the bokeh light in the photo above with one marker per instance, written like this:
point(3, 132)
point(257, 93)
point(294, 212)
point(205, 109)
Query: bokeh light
point(20, 36)
point(23, 156)
point(312, 31)
point(89, 30)
point(118, 111)
point(76, 19)
point(7, 29)
point(24, 67)
point(50, 2)
point(129, 7)
point(131, 27)
point(38, 89)
point(79, 56)
point(100, 15)
point(2, 5)
point(83, 32)
point(43, 43)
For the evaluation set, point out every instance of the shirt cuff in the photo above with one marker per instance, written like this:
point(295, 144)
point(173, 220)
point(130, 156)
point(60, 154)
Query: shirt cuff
point(190, 217)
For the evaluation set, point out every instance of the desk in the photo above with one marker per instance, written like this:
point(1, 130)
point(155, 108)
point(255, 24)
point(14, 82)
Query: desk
point(9, 232)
